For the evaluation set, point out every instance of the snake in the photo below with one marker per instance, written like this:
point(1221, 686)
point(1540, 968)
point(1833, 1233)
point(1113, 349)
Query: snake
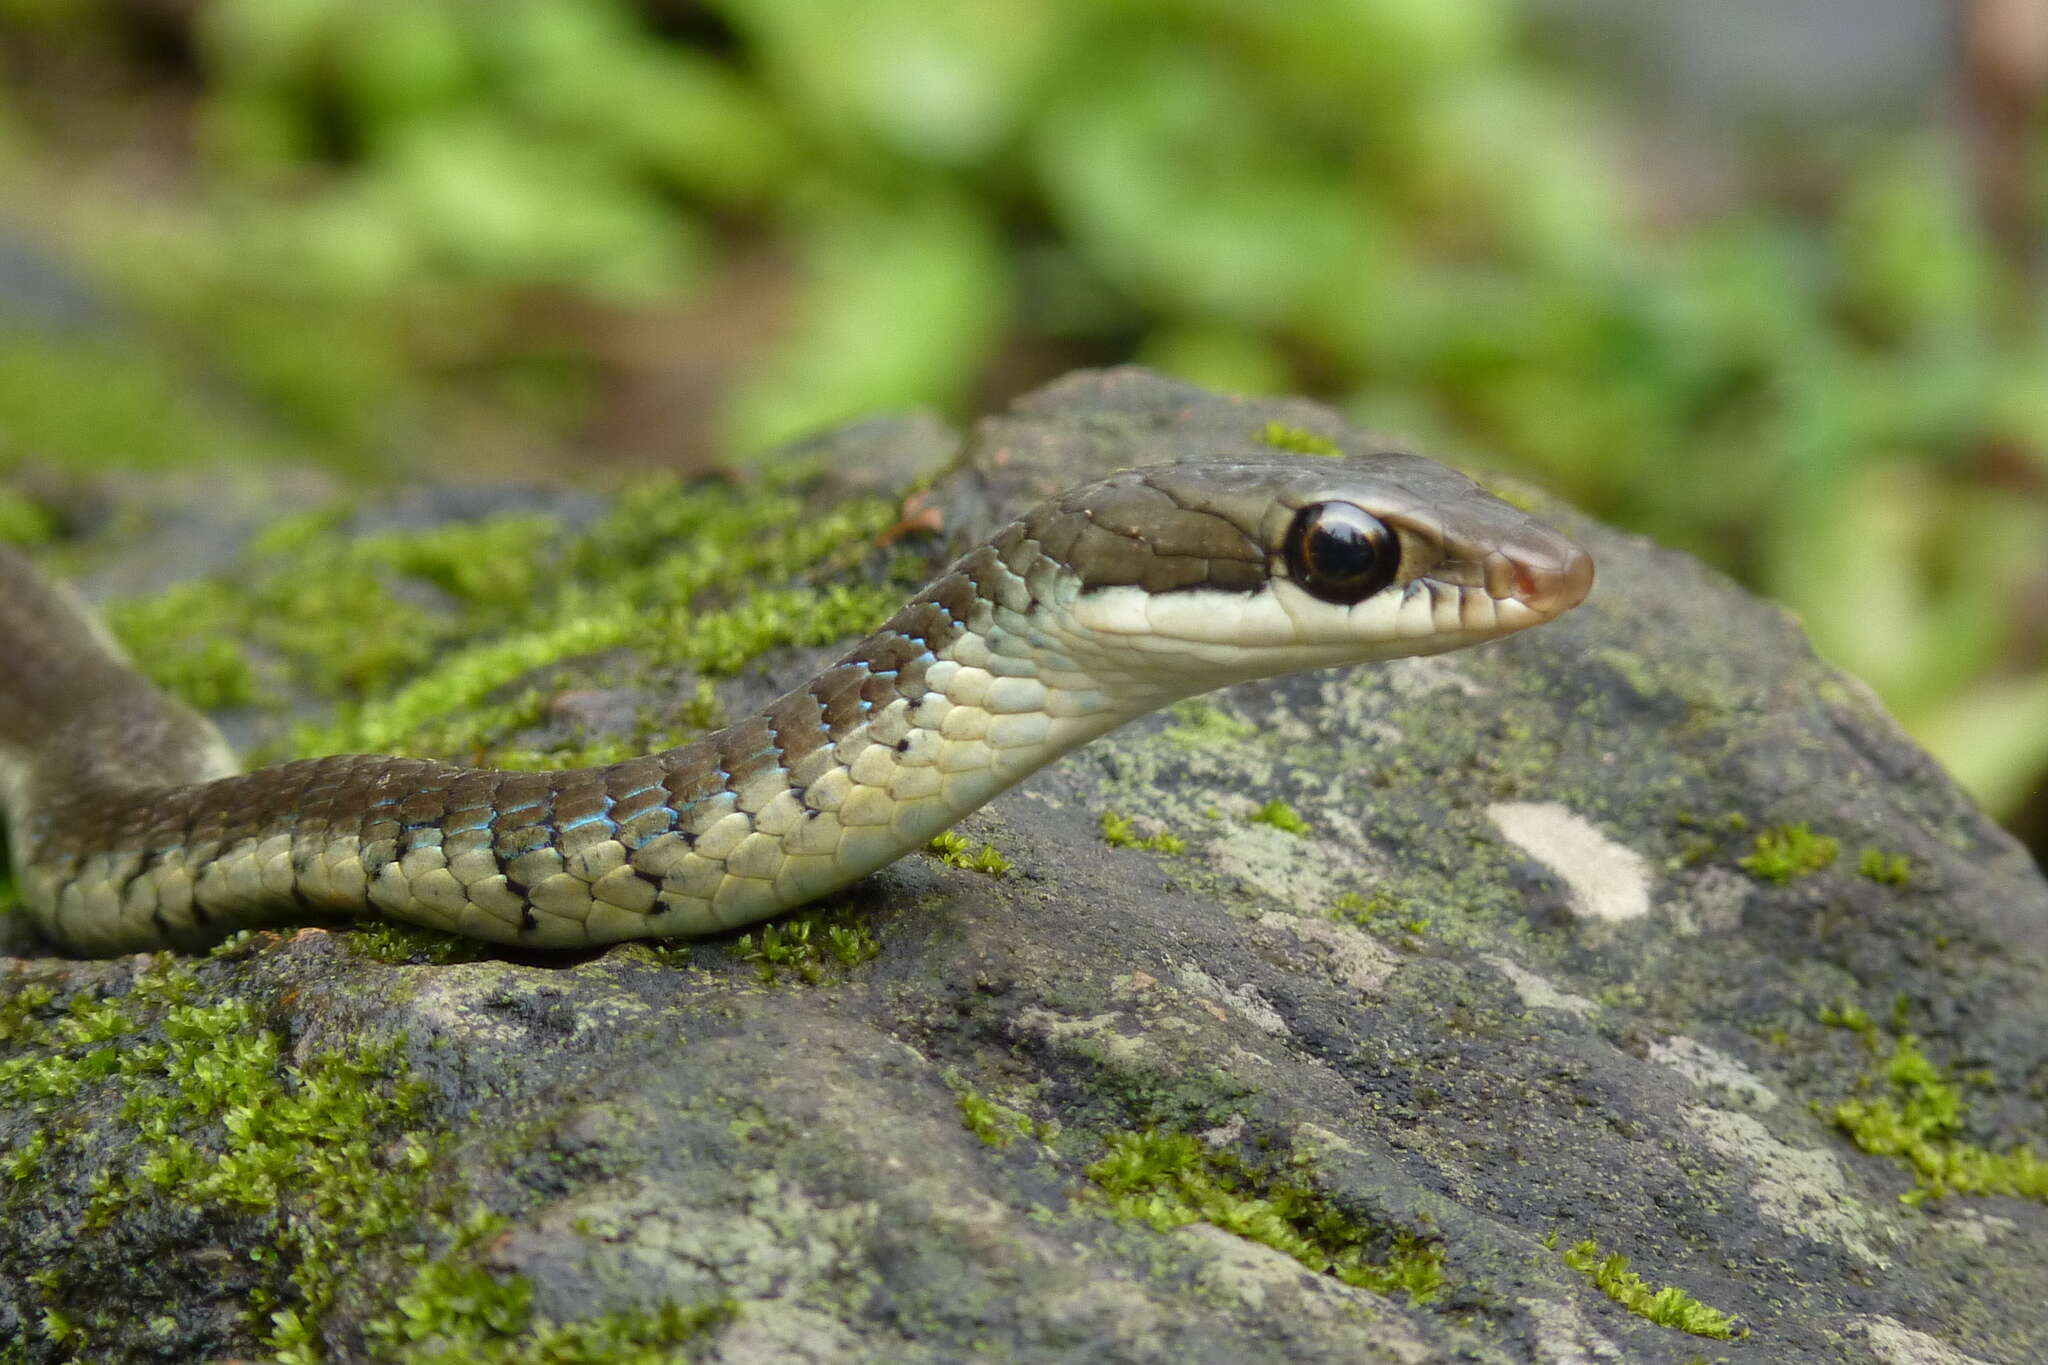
point(131, 828)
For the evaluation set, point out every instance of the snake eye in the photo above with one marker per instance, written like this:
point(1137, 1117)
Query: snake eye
point(1341, 553)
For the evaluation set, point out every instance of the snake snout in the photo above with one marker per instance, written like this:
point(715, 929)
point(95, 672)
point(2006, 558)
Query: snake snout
point(1544, 572)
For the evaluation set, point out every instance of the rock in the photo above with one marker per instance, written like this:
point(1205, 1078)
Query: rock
point(1561, 956)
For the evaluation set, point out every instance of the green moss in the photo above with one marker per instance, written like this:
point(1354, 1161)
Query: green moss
point(1118, 833)
point(957, 850)
point(457, 1313)
point(1377, 913)
point(229, 1122)
point(1886, 869)
point(486, 564)
point(1667, 1307)
point(1168, 1180)
point(62, 1331)
point(326, 1151)
point(1281, 436)
point(223, 1116)
point(178, 640)
point(995, 1124)
point(1786, 852)
point(716, 642)
point(807, 945)
point(414, 638)
point(387, 941)
point(1280, 815)
point(1917, 1117)
point(1200, 724)
point(61, 1056)
point(1853, 1018)
point(19, 1011)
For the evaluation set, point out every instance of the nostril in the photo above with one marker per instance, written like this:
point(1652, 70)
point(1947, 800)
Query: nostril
point(1556, 584)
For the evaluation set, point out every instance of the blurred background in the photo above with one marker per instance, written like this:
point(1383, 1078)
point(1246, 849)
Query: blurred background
point(1763, 279)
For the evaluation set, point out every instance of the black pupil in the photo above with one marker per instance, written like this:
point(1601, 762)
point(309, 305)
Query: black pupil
point(1341, 553)
point(1340, 550)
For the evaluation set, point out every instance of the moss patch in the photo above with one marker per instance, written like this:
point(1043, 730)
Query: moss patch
point(464, 612)
point(1118, 832)
point(1169, 1180)
point(1200, 724)
point(1667, 1307)
point(457, 1313)
point(1281, 816)
point(997, 1125)
point(1886, 869)
point(957, 850)
point(1281, 436)
point(1380, 912)
point(390, 941)
point(323, 1150)
point(1916, 1114)
point(807, 945)
point(323, 1156)
point(1787, 852)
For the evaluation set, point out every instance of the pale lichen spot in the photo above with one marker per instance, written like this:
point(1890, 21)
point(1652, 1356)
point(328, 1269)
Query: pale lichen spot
point(1099, 1037)
point(1567, 1337)
point(1608, 881)
point(1894, 1343)
point(1711, 903)
point(1231, 1269)
point(1715, 1071)
point(1281, 868)
point(1536, 992)
point(1428, 674)
point(1356, 958)
point(1973, 1227)
point(1800, 1189)
point(1241, 1000)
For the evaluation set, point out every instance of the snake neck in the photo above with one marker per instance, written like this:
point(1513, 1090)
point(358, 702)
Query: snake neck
point(961, 694)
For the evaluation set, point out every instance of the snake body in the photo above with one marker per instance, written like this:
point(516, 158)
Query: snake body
point(130, 828)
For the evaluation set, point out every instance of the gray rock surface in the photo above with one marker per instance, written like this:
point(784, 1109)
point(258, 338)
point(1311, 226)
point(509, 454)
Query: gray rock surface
point(1509, 987)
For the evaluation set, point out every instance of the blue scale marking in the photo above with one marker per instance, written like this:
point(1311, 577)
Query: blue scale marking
point(580, 821)
point(481, 820)
point(686, 806)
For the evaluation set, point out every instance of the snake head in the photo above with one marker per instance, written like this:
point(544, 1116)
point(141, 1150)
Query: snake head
point(1187, 576)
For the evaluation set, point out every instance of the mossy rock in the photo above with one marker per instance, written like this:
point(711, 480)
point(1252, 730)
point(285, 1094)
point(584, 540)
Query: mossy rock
point(1360, 1084)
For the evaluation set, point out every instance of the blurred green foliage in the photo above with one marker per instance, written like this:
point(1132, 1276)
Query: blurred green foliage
point(389, 207)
